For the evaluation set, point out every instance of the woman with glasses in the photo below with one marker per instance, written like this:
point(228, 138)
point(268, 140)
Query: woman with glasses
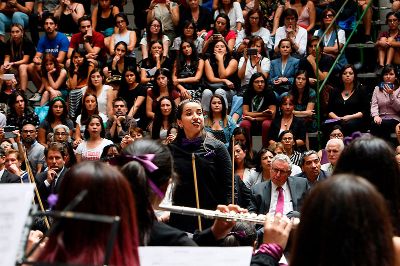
point(259, 107)
point(166, 11)
point(188, 34)
point(334, 39)
point(293, 32)
point(154, 33)
point(289, 141)
point(287, 121)
point(388, 42)
point(123, 34)
point(253, 26)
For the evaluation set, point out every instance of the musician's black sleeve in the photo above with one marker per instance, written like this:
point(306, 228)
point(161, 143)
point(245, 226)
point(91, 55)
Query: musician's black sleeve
point(262, 259)
point(205, 238)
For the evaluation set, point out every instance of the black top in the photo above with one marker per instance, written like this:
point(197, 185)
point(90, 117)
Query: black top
point(16, 54)
point(297, 127)
point(104, 23)
point(203, 23)
point(324, 65)
point(266, 98)
point(357, 102)
point(214, 179)
point(29, 117)
point(128, 62)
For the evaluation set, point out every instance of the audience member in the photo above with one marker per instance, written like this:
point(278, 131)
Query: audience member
point(188, 34)
point(218, 122)
point(103, 19)
point(334, 148)
point(188, 71)
point(293, 32)
point(388, 42)
point(167, 13)
point(154, 33)
point(164, 118)
point(221, 30)
point(14, 160)
point(120, 122)
point(385, 104)
point(34, 150)
point(123, 34)
point(69, 12)
point(263, 168)
point(14, 12)
point(154, 62)
point(5, 175)
point(94, 143)
point(19, 112)
point(233, 10)
point(311, 168)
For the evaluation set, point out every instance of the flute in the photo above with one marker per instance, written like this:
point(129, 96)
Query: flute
point(209, 214)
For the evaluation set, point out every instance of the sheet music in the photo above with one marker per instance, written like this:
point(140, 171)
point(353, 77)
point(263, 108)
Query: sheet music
point(15, 202)
point(195, 256)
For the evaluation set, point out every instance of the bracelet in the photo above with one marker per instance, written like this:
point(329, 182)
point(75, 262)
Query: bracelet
point(272, 249)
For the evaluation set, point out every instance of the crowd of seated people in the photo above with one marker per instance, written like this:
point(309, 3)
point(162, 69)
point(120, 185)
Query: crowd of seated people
point(204, 82)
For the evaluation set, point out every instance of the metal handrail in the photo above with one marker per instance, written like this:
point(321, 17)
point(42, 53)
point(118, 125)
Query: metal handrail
point(341, 51)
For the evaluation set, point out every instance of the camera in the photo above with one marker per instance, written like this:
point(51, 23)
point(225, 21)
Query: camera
point(8, 132)
point(252, 51)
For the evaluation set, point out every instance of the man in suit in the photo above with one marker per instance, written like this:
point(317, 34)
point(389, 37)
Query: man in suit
point(311, 168)
point(49, 181)
point(6, 176)
point(281, 193)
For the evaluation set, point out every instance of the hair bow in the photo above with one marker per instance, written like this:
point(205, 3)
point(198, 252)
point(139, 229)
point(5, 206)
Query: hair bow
point(145, 160)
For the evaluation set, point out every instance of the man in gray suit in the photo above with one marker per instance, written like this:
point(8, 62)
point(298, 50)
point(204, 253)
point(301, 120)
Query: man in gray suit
point(281, 193)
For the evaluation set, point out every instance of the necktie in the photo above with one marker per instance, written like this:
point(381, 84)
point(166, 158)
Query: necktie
point(280, 202)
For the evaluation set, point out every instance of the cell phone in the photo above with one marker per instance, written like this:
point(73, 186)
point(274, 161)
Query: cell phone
point(217, 36)
point(8, 132)
point(8, 77)
point(390, 85)
point(252, 51)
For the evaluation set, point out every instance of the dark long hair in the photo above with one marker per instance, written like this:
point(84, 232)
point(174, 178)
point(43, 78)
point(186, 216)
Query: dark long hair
point(150, 60)
point(13, 99)
point(90, 86)
point(373, 159)
point(124, 87)
point(86, 134)
point(85, 115)
point(158, 117)
point(51, 58)
point(210, 118)
point(82, 242)
point(355, 82)
point(50, 115)
point(323, 27)
point(227, 26)
point(344, 221)
point(247, 26)
point(186, 24)
point(139, 178)
point(251, 82)
point(84, 68)
point(160, 33)
point(295, 92)
point(221, 7)
point(156, 88)
point(181, 59)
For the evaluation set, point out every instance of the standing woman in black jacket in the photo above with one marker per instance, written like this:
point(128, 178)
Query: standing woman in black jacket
point(213, 165)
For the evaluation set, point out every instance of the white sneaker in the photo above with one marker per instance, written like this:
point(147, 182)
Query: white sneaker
point(36, 97)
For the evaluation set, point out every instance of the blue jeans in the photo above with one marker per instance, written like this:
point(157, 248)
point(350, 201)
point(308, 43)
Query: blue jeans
point(17, 17)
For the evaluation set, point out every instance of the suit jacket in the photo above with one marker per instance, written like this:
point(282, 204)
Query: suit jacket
point(322, 176)
point(8, 177)
point(261, 194)
point(46, 191)
point(291, 68)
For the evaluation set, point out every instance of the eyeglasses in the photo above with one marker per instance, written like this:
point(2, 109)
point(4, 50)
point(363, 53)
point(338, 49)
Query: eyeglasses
point(329, 16)
point(280, 171)
point(155, 26)
point(259, 81)
point(338, 135)
point(392, 20)
point(60, 134)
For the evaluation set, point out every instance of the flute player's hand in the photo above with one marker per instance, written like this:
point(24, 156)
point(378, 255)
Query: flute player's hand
point(221, 227)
